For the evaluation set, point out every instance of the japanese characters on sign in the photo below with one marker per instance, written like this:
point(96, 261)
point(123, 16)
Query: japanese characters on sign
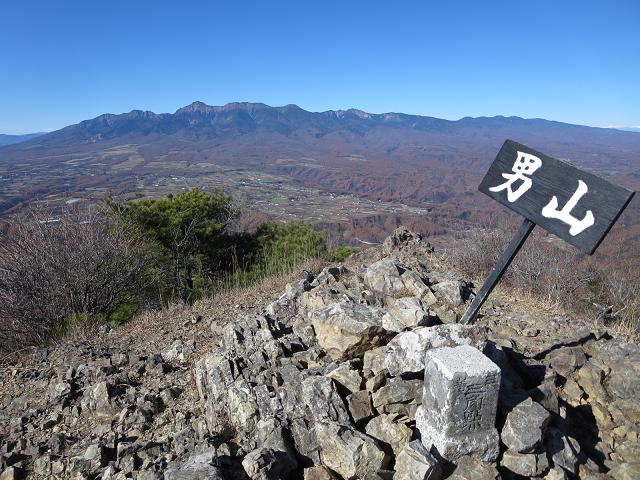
point(575, 205)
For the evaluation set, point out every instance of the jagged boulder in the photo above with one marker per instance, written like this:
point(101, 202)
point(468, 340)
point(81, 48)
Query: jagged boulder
point(563, 449)
point(348, 452)
point(470, 468)
point(414, 462)
point(383, 277)
point(405, 353)
point(274, 456)
point(525, 426)
point(401, 237)
point(98, 399)
point(319, 472)
point(404, 313)
point(389, 432)
point(265, 463)
point(178, 352)
point(348, 330)
point(450, 291)
point(323, 401)
point(398, 396)
point(360, 406)
point(526, 464)
point(196, 466)
point(347, 376)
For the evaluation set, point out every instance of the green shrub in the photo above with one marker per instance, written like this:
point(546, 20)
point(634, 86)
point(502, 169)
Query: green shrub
point(188, 234)
point(340, 254)
point(197, 254)
point(286, 244)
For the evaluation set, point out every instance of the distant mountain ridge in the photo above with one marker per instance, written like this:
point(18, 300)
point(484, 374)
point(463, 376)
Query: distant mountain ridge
point(12, 139)
point(201, 121)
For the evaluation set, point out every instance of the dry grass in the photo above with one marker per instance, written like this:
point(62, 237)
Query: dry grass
point(546, 277)
point(153, 330)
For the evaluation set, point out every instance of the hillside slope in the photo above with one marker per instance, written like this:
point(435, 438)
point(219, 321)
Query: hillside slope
point(263, 384)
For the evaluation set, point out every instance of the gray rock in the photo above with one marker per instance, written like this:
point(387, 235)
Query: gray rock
point(347, 330)
point(383, 277)
point(405, 353)
point(360, 407)
point(526, 464)
point(450, 291)
point(42, 466)
point(414, 284)
point(328, 276)
point(97, 454)
point(398, 396)
point(347, 377)
point(98, 399)
point(243, 411)
point(470, 468)
point(59, 389)
point(563, 449)
point(348, 452)
point(558, 473)
point(324, 295)
point(405, 312)
point(458, 411)
point(401, 236)
point(319, 472)
point(271, 434)
point(386, 430)
point(625, 471)
point(305, 441)
point(304, 330)
point(184, 441)
point(414, 462)
point(178, 352)
point(266, 463)
point(323, 401)
point(195, 467)
point(286, 303)
point(149, 475)
point(524, 428)
point(566, 360)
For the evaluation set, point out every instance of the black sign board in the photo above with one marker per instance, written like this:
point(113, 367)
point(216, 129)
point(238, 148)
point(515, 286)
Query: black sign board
point(575, 205)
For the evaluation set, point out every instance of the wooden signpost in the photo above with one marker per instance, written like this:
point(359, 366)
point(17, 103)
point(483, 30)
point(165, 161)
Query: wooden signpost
point(575, 205)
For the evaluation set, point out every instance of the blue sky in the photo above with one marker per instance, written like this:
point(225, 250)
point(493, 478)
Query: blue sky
point(575, 61)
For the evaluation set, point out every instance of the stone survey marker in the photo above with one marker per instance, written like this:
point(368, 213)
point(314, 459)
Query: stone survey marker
point(459, 403)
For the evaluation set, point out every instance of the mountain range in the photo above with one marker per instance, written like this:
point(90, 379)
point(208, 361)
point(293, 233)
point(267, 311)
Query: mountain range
point(199, 121)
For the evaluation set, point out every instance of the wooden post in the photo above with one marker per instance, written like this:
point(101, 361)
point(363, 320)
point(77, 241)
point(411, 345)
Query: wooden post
point(512, 249)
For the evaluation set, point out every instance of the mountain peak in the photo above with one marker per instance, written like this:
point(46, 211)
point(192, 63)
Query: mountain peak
point(196, 106)
point(201, 107)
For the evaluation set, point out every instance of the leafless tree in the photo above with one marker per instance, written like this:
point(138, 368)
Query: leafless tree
point(78, 262)
point(542, 268)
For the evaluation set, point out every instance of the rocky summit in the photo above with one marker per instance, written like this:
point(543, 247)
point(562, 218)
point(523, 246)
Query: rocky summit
point(357, 371)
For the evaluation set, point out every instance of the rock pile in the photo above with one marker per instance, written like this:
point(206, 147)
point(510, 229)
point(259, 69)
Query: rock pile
point(356, 372)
